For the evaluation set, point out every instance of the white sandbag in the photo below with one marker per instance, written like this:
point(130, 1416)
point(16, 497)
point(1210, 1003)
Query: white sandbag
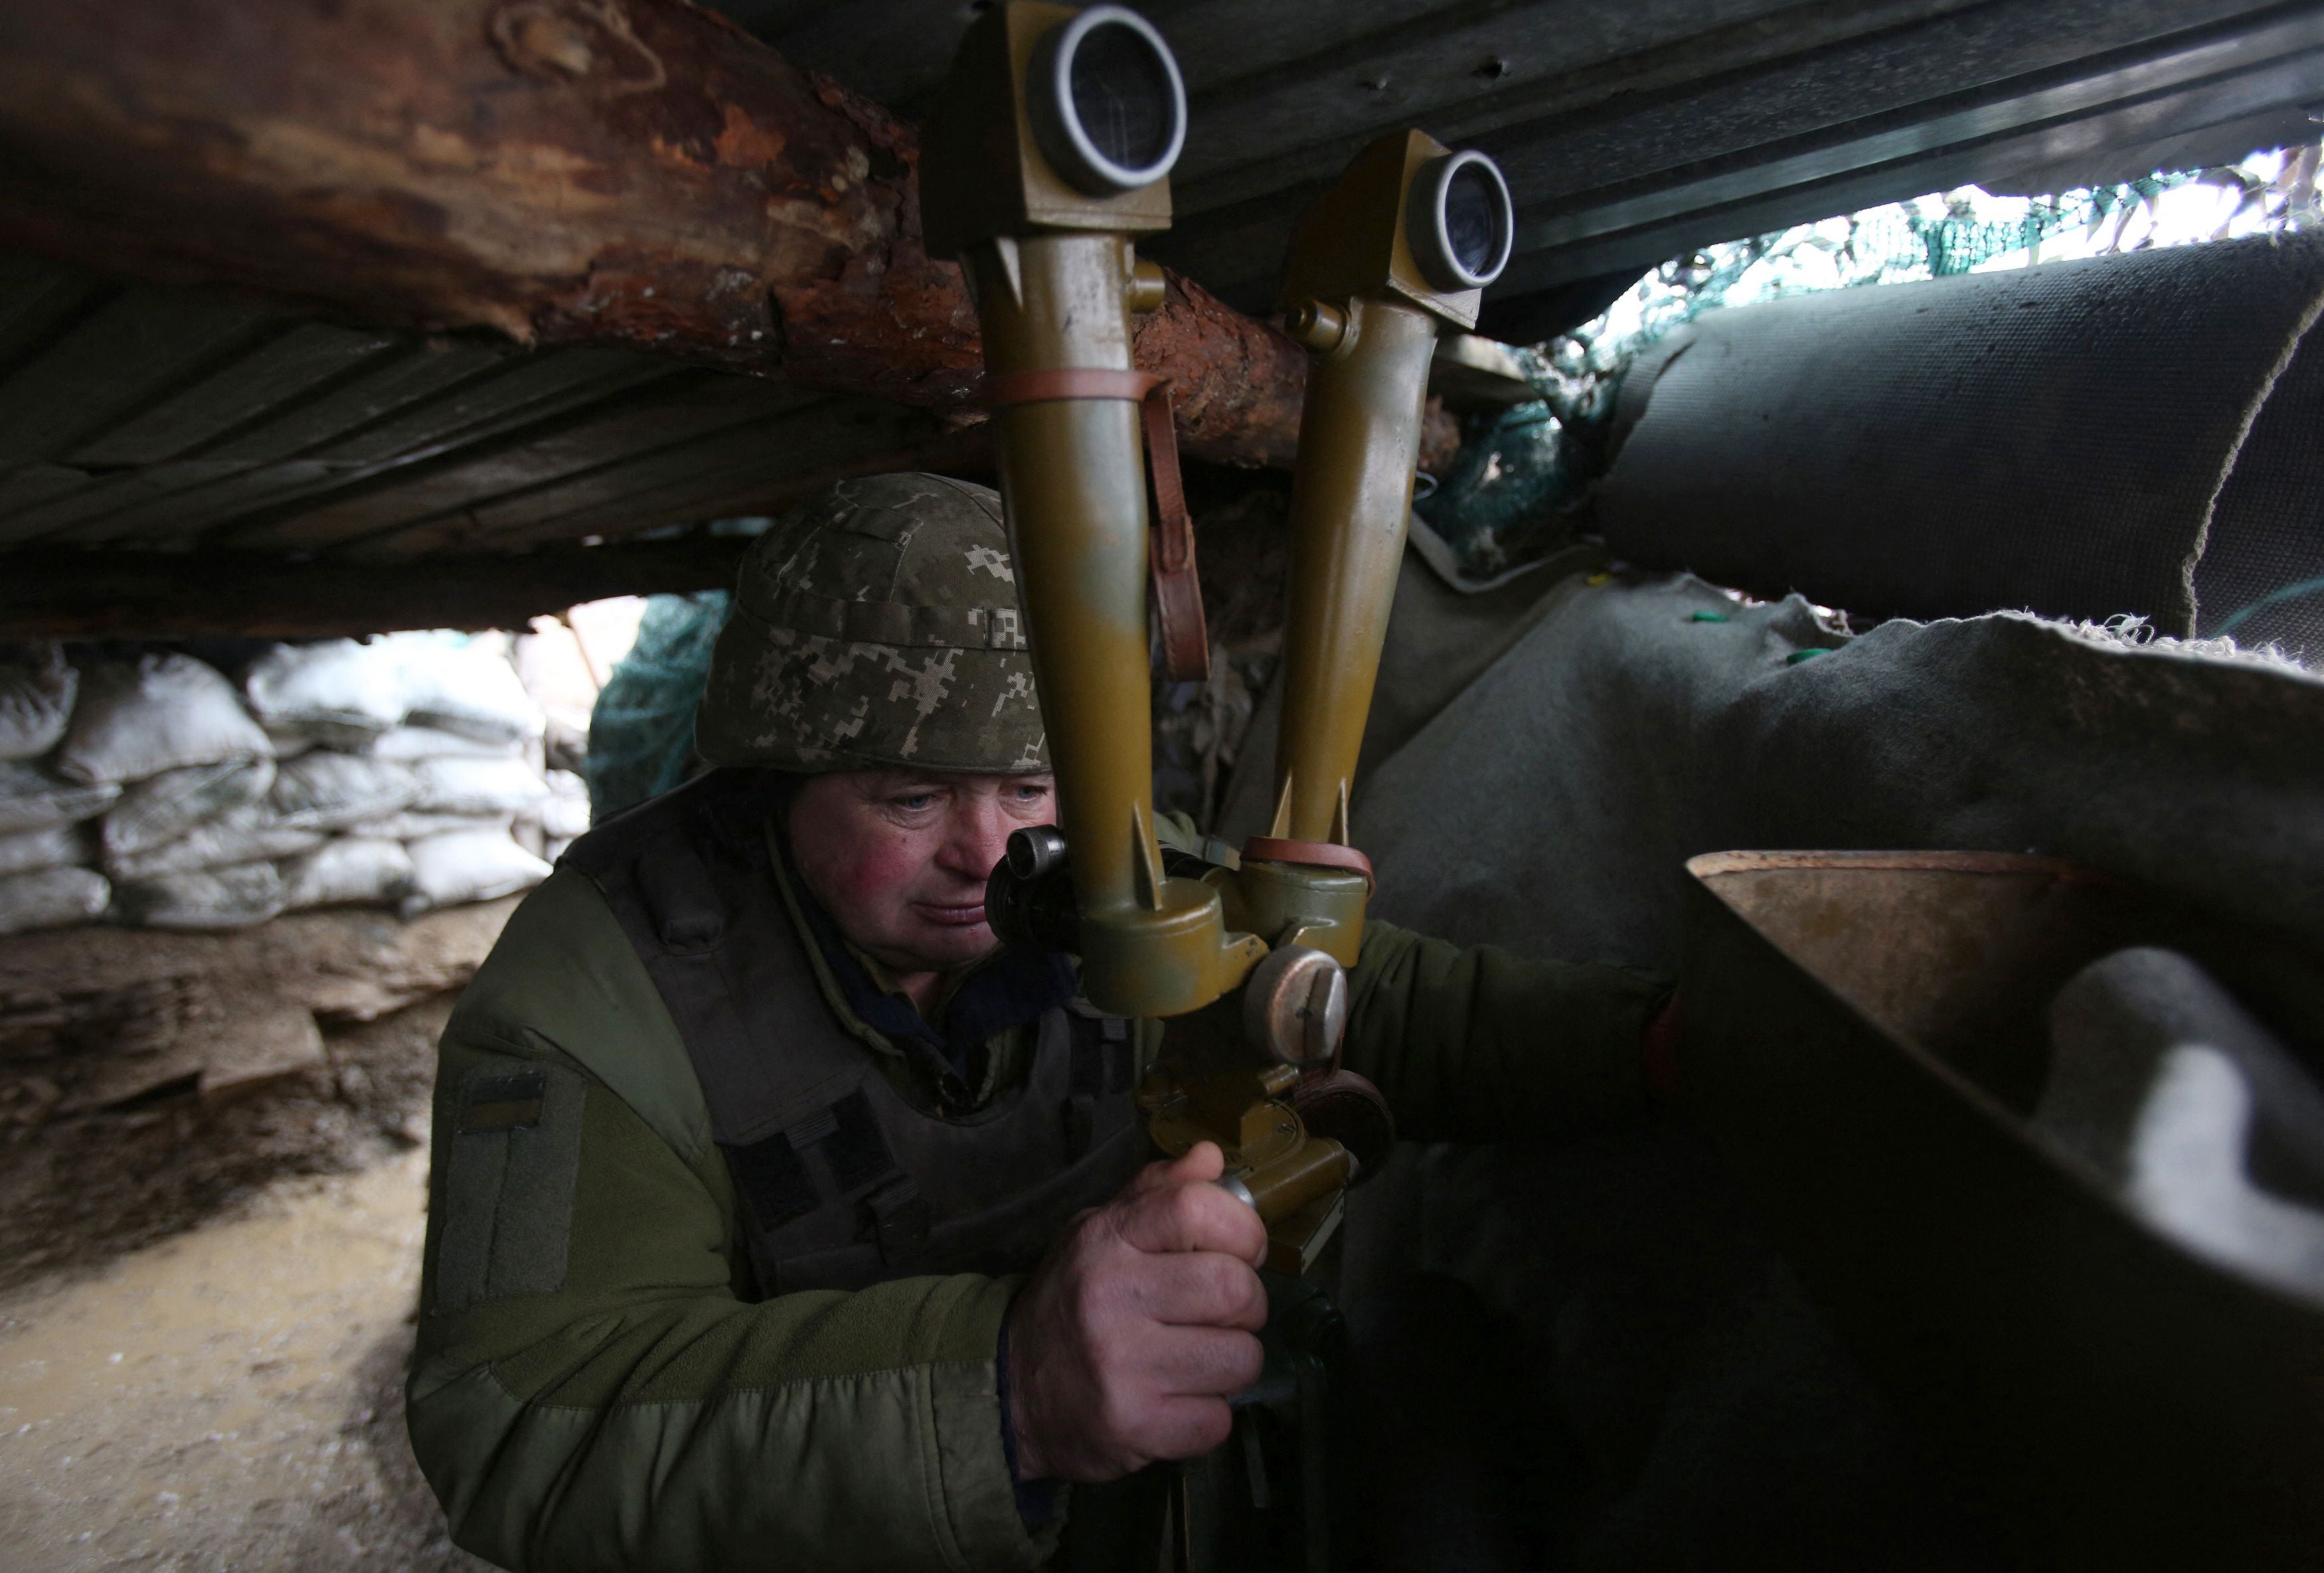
point(241, 835)
point(553, 824)
point(327, 790)
point(565, 812)
point(233, 896)
point(338, 692)
point(162, 808)
point(51, 898)
point(502, 786)
point(409, 744)
point(289, 744)
point(412, 826)
point(465, 688)
point(30, 798)
point(36, 701)
point(347, 868)
point(50, 847)
point(468, 866)
point(159, 713)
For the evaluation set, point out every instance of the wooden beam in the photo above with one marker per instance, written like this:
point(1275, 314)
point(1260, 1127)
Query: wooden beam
point(638, 172)
point(73, 595)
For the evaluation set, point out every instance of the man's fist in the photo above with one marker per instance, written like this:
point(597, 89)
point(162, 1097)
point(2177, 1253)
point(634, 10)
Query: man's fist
point(1136, 1326)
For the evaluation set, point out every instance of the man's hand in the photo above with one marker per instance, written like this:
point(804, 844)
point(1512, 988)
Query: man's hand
point(1136, 1326)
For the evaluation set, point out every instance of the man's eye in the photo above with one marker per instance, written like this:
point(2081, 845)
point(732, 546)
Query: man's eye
point(912, 803)
point(1031, 793)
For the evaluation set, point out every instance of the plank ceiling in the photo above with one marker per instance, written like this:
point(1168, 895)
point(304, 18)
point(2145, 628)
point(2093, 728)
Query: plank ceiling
point(1632, 131)
point(133, 417)
point(140, 417)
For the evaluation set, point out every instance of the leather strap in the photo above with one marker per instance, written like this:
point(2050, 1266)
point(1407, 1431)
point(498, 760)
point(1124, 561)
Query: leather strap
point(1326, 854)
point(1177, 591)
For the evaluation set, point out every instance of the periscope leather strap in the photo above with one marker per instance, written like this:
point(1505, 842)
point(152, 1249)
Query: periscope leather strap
point(1177, 591)
point(1326, 854)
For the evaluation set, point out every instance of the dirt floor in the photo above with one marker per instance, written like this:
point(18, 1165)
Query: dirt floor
point(205, 1324)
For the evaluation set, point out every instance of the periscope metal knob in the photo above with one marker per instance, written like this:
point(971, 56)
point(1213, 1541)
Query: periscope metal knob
point(1294, 1006)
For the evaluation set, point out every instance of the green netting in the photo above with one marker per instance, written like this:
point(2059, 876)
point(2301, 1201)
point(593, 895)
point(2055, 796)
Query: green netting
point(1515, 493)
point(642, 729)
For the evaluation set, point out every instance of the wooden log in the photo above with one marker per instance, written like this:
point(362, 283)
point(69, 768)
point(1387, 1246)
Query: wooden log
point(610, 171)
point(76, 595)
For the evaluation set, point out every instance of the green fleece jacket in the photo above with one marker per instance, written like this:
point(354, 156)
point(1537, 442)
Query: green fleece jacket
point(595, 1386)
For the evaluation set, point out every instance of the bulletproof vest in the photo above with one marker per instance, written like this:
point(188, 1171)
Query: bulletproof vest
point(843, 1180)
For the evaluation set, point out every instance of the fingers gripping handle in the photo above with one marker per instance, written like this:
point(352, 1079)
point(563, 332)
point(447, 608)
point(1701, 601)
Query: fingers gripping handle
point(1276, 1191)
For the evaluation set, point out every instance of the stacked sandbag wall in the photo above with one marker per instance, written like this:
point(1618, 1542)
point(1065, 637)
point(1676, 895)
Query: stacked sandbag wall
point(147, 789)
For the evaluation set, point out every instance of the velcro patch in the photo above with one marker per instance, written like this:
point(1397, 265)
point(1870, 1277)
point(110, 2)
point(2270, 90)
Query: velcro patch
point(500, 1103)
point(509, 1172)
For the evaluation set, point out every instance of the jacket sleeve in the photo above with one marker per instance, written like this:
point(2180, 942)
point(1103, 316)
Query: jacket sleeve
point(1480, 1044)
point(591, 1390)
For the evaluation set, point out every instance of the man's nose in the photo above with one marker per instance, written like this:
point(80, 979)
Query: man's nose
point(977, 834)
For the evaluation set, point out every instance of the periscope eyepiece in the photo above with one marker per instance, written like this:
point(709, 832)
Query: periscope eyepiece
point(1034, 850)
point(1460, 222)
point(1107, 103)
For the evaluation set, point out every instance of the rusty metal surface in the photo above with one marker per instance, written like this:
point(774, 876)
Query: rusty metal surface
point(1863, 1032)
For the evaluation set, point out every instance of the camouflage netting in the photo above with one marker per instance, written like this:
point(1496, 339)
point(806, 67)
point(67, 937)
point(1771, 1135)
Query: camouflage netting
point(642, 729)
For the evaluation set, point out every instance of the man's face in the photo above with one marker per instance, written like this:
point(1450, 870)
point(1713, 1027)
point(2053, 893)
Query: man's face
point(900, 857)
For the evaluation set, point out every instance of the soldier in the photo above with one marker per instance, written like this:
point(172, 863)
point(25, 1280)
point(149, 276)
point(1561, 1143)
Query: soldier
point(781, 1219)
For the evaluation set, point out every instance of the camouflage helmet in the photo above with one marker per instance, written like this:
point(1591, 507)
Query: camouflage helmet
point(877, 624)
